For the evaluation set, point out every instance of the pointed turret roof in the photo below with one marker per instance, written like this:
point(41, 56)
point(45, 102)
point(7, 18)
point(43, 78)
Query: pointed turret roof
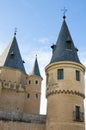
point(11, 57)
point(64, 50)
point(35, 69)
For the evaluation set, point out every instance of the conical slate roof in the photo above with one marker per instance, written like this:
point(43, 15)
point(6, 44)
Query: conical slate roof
point(11, 57)
point(64, 50)
point(35, 69)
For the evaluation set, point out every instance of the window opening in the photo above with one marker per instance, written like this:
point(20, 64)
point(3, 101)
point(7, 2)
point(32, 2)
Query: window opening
point(60, 74)
point(28, 95)
point(77, 111)
point(36, 82)
point(29, 81)
point(77, 75)
point(36, 95)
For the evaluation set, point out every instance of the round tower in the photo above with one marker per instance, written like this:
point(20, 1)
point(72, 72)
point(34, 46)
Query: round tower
point(12, 79)
point(65, 85)
point(33, 90)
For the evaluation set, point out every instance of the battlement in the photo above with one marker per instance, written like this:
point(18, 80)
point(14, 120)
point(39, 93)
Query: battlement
point(20, 117)
point(13, 86)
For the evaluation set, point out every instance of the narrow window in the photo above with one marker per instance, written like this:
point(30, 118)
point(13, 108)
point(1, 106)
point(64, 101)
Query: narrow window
point(77, 75)
point(36, 95)
point(60, 74)
point(29, 81)
point(77, 112)
point(28, 95)
point(36, 82)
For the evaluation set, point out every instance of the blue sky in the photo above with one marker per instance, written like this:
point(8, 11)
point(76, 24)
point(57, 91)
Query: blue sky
point(38, 23)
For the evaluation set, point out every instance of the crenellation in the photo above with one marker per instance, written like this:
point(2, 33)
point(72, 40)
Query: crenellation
point(21, 117)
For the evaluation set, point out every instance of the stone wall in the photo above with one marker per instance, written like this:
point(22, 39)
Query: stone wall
point(29, 118)
point(14, 121)
point(20, 126)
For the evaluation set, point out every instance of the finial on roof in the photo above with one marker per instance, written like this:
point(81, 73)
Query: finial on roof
point(64, 11)
point(15, 30)
point(35, 69)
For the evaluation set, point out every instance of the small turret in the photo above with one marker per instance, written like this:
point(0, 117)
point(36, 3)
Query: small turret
point(33, 90)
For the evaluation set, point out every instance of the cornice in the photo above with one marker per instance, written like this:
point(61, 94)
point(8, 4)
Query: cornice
point(65, 64)
point(51, 92)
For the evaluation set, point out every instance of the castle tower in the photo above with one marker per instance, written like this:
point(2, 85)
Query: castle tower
point(65, 85)
point(11, 60)
point(12, 79)
point(33, 90)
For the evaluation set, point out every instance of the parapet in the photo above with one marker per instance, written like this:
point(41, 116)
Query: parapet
point(21, 117)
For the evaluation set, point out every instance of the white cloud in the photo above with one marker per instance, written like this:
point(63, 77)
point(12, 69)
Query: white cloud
point(43, 40)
